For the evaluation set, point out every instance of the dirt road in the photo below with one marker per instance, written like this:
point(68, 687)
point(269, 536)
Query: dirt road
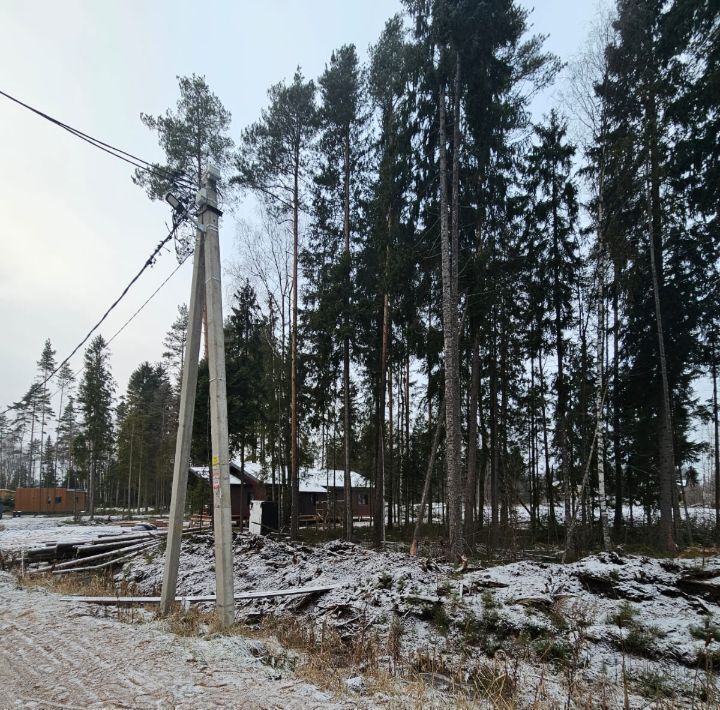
point(59, 655)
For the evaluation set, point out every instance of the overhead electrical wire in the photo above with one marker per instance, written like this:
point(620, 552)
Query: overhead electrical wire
point(179, 177)
point(179, 218)
point(150, 298)
point(133, 316)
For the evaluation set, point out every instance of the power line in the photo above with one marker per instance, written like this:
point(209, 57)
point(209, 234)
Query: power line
point(135, 314)
point(178, 220)
point(152, 295)
point(134, 160)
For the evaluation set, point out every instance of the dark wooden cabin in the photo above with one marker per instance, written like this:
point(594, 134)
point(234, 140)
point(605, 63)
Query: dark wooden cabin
point(244, 487)
point(319, 488)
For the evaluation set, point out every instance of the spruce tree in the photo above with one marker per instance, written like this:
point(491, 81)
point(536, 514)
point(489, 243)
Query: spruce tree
point(95, 396)
point(665, 255)
point(554, 221)
point(67, 430)
point(45, 366)
point(174, 343)
point(247, 357)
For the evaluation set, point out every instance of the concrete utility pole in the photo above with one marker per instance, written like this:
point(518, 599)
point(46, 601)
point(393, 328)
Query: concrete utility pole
point(206, 294)
point(220, 468)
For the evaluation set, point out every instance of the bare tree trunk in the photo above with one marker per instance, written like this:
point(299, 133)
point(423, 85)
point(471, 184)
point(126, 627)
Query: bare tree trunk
point(140, 466)
point(428, 478)
point(31, 467)
point(406, 476)
point(285, 446)
point(390, 448)
point(450, 328)
point(600, 419)
point(618, 522)
point(534, 492)
point(717, 441)
point(505, 482)
point(665, 433)
point(471, 478)
point(294, 467)
point(347, 482)
point(494, 441)
point(561, 408)
point(42, 428)
point(546, 445)
point(379, 512)
point(132, 439)
point(484, 462)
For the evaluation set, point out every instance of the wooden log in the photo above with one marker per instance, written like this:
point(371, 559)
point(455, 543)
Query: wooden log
point(101, 540)
point(109, 563)
point(83, 550)
point(81, 561)
point(201, 599)
point(65, 550)
point(126, 537)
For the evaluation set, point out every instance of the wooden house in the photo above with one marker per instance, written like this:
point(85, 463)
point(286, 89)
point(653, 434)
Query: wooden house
point(332, 483)
point(244, 488)
point(321, 490)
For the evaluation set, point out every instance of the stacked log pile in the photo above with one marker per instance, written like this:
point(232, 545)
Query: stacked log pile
point(102, 552)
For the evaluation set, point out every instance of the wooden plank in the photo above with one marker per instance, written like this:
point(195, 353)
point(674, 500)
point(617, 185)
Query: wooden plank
point(210, 598)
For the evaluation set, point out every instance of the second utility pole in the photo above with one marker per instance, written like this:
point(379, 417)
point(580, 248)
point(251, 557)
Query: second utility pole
point(206, 289)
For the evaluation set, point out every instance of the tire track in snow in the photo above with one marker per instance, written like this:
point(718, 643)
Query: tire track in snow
point(54, 656)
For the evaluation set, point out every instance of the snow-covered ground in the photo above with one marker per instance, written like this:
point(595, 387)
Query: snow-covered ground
point(604, 626)
point(60, 655)
point(608, 624)
point(27, 532)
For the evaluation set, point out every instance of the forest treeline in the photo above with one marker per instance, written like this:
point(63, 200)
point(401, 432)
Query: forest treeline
point(548, 290)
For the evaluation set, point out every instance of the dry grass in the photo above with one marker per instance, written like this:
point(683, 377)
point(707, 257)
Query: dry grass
point(81, 585)
point(185, 622)
point(93, 585)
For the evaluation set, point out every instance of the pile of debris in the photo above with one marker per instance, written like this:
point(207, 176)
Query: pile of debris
point(102, 551)
point(630, 624)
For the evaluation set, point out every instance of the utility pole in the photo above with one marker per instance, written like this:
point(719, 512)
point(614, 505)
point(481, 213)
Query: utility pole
point(220, 469)
point(206, 294)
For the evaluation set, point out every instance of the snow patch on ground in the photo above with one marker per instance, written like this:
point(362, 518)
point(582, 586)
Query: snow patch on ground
point(552, 626)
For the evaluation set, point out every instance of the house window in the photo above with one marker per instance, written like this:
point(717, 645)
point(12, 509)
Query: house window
point(58, 499)
point(363, 499)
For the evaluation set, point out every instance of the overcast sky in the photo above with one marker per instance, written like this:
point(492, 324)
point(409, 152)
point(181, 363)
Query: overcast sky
point(74, 227)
